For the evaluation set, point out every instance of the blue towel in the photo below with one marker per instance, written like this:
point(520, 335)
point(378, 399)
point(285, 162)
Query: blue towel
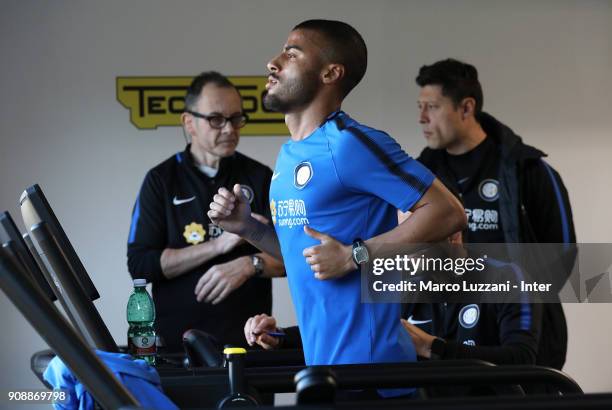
point(137, 376)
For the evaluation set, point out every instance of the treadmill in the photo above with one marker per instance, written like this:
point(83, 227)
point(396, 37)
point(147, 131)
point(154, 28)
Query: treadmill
point(71, 279)
point(35, 209)
point(187, 384)
point(109, 393)
point(99, 381)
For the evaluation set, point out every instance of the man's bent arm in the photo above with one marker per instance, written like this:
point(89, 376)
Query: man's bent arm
point(436, 216)
point(263, 237)
point(175, 262)
point(231, 211)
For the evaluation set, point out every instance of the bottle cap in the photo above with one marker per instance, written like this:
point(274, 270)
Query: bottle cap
point(140, 282)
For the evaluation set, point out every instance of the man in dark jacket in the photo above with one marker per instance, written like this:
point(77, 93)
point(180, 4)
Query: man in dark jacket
point(510, 194)
point(503, 328)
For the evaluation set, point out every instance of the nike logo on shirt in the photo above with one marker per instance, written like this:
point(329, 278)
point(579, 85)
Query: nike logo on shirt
point(416, 321)
point(177, 201)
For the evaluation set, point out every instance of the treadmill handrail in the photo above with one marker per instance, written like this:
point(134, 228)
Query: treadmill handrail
point(62, 338)
point(23, 253)
point(88, 320)
point(36, 208)
point(415, 374)
point(42, 270)
point(387, 375)
point(13, 252)
point(10, 250)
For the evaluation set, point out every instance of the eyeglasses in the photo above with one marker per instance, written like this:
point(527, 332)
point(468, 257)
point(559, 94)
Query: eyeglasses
point(219, 121)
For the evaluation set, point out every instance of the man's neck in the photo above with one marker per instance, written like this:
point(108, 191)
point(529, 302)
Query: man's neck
point(472, 137)
point(304, 122)
point(205, 158)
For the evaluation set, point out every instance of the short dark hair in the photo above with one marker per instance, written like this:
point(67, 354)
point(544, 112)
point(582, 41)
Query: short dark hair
point(458, 80)
point(345, 46)
point(195, 88)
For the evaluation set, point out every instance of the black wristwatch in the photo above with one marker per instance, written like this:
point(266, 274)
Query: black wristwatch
point(360, 253)
point(258, 264)
point(438, 348)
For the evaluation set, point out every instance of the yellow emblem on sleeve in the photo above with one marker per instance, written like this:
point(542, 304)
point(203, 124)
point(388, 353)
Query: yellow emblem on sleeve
point(194, 233)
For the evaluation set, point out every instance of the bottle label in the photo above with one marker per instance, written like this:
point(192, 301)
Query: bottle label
point(143, 345)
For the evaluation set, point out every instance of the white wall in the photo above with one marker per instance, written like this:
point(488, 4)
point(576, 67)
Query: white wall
point(545, 67)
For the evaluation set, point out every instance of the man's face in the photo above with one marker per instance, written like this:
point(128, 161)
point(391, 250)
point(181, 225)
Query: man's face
point(441, 121)
point(294, 80)
point(215, 100)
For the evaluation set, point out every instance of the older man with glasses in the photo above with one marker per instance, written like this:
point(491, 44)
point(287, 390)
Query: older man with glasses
point(202, 277)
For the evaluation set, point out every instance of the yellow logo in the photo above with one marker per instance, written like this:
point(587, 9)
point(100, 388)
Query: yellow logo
point(194, 233)
point(273, 211)
point(159, 101)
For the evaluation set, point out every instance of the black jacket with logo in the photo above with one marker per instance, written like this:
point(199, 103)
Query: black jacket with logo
point(534, 207)
point(503, 333)
point(500, 333)
point(170, 212)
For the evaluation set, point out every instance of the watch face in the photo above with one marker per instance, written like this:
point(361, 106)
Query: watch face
point(258, 264)
point(361, 254)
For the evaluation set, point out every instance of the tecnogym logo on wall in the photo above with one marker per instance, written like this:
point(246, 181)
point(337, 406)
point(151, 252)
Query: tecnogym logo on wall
point(159, 101)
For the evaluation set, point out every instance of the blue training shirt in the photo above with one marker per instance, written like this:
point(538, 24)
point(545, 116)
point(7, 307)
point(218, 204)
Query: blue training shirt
point(346, 180)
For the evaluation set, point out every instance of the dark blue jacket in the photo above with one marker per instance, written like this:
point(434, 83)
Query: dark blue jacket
point(534, 207)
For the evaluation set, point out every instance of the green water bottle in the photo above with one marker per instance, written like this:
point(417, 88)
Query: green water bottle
point(141, 317)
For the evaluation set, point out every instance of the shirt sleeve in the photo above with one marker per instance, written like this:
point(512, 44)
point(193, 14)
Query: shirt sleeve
point(549, 220)
point(372, 162)
point(148, 232)
point(548, 205)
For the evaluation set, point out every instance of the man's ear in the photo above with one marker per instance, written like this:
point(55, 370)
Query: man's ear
point(188, 124)
point(333, 73)
point(468, 108)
